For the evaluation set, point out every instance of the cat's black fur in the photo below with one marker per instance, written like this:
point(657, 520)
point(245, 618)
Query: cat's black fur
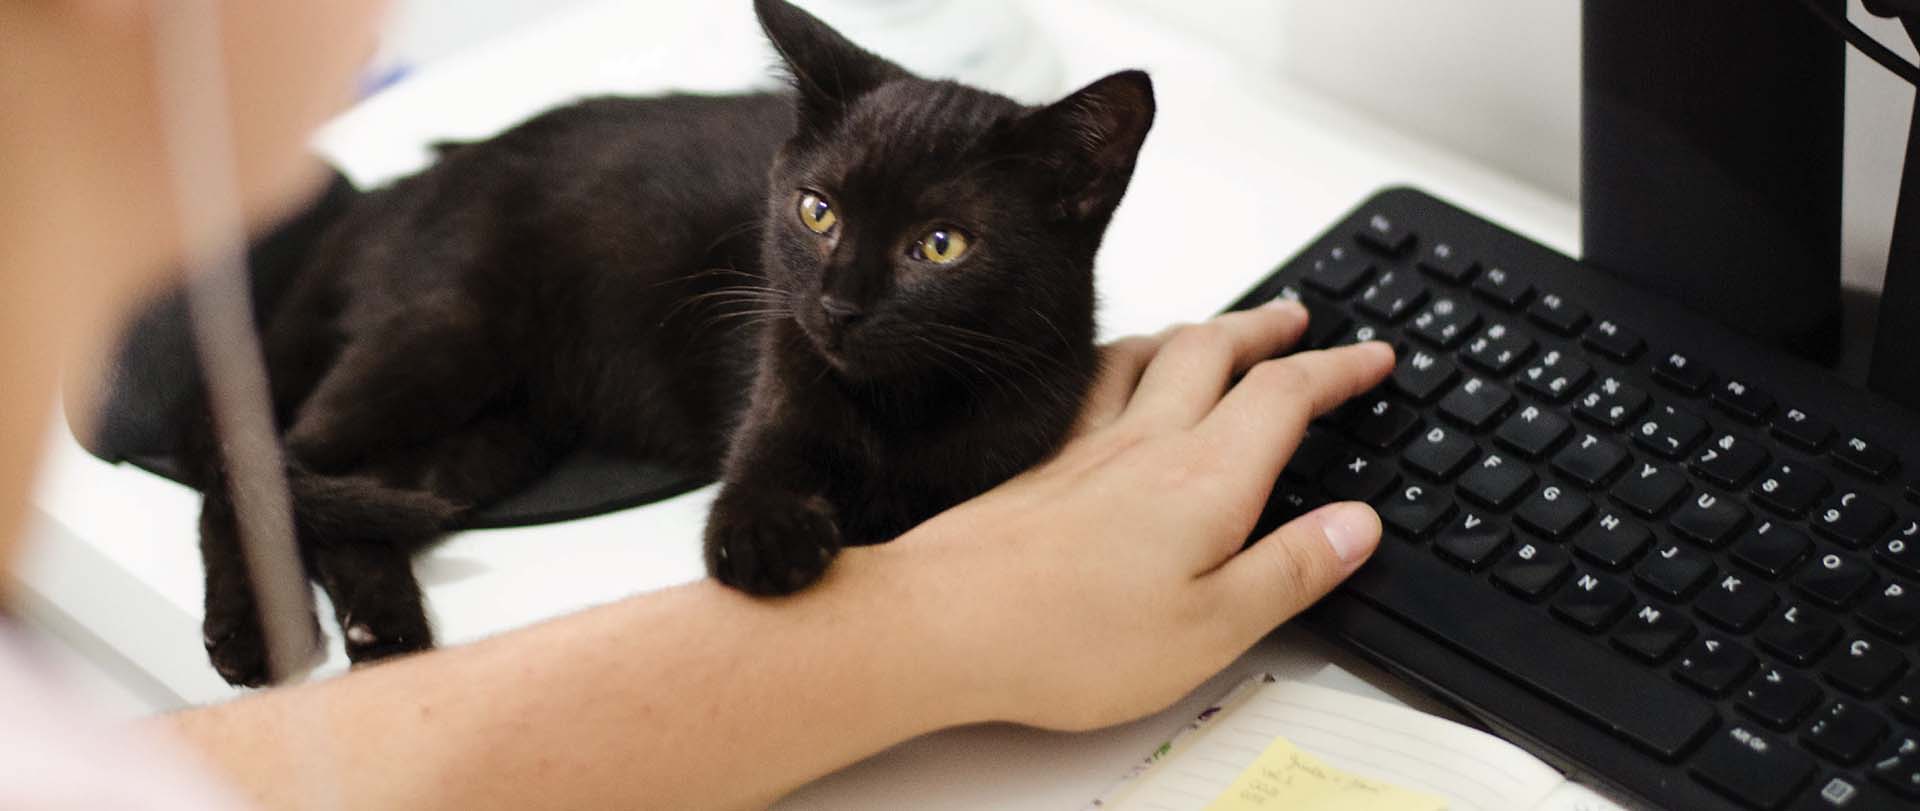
point(633, 274)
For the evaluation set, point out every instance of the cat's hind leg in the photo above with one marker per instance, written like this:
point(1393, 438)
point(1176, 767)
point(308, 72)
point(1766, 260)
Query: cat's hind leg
point(419, 376)
point(369, 576)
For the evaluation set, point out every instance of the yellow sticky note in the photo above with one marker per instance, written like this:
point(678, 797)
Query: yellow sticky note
point(1287, 779)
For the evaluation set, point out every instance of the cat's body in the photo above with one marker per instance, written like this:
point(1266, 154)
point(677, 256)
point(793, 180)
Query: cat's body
point(666, 278)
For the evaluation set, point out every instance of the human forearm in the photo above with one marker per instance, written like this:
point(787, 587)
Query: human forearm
point(690, 698)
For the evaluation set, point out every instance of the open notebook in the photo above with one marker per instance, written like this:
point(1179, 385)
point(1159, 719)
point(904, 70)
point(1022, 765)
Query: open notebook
point(1295, 746)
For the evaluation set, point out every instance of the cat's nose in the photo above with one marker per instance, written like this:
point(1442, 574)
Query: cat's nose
point(840, 312)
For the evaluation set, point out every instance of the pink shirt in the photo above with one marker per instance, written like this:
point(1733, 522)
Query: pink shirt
point(56, 753)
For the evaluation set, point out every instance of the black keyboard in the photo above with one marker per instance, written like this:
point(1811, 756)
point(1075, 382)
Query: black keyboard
point(1650, 550)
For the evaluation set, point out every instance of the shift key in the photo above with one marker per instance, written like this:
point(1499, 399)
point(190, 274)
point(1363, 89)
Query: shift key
point(1639, 706)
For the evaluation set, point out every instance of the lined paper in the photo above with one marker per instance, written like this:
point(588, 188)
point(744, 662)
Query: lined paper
point(1284, 778)
point(1471, 770)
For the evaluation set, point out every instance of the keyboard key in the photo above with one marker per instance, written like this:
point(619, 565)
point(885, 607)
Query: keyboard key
point(1714, 665)
point(1612, 541)
point(1833, 579)
point(1734, 603)
point(1325, 328)
point(1553, 512)
point(1440, 452)
point(1892, 610)
point(1852, 518)
point(1644, 708)
point(1498, 349)
point(1865, 457)
point(1836, 791)
point(1728, 460)
point(1442, 261)
point(1802, 429)
point(1590, 461)
point(1503, 288)
point(1905, 700)
point(1682, 373)
point(1476, 403)
point(1532, 569)
point(1470, 541)
point(1674, 571)
point(1355, 477)
point(1896, 765)
point(1650, 489)
point(1669, 432)
point(1592, 602)
point(1289, 500)
point(1556, 376)
point(1771, 549)
point(1356, 332)
point(1383, 234)
point(1779, 698)
point(1495, 481)
point(1338, 276)
point(1791, 488)
point(1382, 424)
point(1552, 311)
point(1743, 401)
point(1614, 341)
point(1798, 634)
point(1422, 375)
point(1532, 431)
point(1708, 519)
point(1844, 732)
point(1414, 510)
point(1652, 633)
point(1865, 667)
point(1901, 554)
point(1611, 403)
point(1445, 323)
point(1753, 767)
point(1315, 453)
point(1393, 295)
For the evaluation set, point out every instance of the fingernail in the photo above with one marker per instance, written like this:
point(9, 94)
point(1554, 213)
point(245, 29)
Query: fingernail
point(1352, 529)
point(1284, 303)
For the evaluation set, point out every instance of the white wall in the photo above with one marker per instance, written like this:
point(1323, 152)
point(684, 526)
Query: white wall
point(1499, 82)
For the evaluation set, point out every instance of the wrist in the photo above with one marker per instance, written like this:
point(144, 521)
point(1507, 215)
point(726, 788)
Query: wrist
point(932, 636)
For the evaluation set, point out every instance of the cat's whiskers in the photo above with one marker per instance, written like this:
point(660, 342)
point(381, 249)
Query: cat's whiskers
point(991, 349)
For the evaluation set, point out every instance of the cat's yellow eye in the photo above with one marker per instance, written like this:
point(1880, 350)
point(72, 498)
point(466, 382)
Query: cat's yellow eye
point(816, 214)
point(942, 247)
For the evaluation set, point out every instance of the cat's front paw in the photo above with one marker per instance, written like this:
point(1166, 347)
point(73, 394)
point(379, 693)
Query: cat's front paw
point(237, 648)
point(236, 645)
point(770, 545)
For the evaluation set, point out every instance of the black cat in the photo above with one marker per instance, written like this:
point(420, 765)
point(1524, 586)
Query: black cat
point(858, 303)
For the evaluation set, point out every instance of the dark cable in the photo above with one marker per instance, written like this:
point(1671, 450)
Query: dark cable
point(1865, 42)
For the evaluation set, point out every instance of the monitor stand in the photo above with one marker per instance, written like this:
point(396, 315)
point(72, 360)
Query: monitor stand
point(1711, 161)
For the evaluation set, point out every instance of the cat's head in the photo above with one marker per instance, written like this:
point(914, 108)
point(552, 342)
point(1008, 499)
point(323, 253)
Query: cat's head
point(920, 227)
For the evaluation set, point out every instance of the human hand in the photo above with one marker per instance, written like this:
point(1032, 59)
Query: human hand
point(1107, 582)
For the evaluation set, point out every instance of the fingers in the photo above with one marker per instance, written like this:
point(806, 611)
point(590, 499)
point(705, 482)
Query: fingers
point(1187, 376)
point(1263, 418)
point(1297, 564)
point(1121, 363)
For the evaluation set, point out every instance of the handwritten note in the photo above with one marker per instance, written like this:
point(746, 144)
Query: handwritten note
point(1284, 778)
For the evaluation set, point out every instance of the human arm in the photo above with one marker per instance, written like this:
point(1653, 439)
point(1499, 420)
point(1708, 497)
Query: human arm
point(1094, 589)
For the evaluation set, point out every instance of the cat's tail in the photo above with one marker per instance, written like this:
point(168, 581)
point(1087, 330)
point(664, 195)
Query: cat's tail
point(326, 508)
point(362, 508)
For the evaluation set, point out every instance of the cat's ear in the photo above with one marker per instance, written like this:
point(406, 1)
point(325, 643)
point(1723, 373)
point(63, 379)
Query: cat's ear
point(828, 71)
point(1092, 138)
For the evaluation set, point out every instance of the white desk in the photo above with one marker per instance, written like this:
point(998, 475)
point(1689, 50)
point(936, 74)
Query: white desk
point(1239, 172)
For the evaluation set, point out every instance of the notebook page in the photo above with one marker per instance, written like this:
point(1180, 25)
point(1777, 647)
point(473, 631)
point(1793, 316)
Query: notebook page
point(1571, 796)
point(1472, 770)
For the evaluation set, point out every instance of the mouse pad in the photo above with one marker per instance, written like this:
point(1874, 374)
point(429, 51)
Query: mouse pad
point(152, 375)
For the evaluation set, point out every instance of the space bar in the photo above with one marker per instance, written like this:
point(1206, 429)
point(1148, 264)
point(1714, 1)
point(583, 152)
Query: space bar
point(1546, 657)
